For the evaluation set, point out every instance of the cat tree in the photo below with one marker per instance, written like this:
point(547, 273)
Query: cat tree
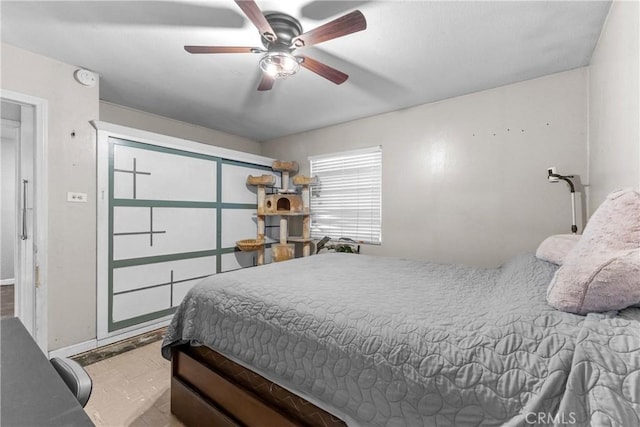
point(284, 203)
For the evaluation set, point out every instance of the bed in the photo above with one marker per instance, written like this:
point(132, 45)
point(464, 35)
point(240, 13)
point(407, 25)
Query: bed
point(339, 339)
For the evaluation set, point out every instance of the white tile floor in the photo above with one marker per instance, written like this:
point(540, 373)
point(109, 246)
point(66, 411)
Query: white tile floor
point(132, 389)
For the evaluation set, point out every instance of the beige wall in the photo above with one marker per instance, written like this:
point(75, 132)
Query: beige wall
point(614, 113)
point(71, 167)
point(117, 114)
point(464, 180)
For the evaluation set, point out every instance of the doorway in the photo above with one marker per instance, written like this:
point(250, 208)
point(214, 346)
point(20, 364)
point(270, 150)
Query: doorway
point(8, 160)
point(23, 212)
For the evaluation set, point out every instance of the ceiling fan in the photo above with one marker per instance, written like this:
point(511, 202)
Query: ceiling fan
point(281, 34)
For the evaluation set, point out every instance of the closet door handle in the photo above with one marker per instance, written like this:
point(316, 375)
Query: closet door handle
point(23, 236)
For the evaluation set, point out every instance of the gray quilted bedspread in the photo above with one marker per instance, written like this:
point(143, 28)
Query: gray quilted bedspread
point(389, 342)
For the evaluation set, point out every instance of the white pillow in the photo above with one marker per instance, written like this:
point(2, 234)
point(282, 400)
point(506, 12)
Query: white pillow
point(555, 248)
point(602, 272)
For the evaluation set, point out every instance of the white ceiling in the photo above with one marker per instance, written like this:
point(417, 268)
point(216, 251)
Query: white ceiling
point(412, 52)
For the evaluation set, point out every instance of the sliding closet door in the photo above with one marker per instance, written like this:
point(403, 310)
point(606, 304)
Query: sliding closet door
point(164, 211)
point(173, 217)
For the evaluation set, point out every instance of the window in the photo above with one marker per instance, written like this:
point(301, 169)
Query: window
point(346, 202)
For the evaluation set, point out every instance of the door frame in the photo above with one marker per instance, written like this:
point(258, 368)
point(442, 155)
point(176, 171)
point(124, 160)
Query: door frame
point(37, 308)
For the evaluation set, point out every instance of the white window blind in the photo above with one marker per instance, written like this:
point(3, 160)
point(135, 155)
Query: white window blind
point(346, 202)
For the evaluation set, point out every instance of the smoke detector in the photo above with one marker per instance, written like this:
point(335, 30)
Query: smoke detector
point(85, 77)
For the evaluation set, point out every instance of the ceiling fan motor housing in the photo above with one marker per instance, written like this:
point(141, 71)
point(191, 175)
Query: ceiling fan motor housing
point(286, 28)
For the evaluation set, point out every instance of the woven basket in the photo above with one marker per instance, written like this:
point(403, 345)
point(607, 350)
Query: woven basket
point(248, 245)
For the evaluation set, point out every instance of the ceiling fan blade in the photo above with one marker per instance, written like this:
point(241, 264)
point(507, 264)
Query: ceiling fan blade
point(255, 15)
point(329, 73)
point(221, 49)
point(266, 83)
point(347, 24)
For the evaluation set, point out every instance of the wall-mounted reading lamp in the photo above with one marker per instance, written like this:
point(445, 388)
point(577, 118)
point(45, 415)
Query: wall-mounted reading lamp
point(554, 177)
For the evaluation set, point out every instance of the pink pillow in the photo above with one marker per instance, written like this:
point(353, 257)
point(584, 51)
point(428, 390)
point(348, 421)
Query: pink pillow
point(602, 272)
point(555, 248)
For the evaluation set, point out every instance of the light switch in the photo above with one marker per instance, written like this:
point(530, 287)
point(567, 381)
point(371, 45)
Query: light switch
point(76, 197)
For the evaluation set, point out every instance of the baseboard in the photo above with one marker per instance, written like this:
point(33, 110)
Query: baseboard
point(74, 349)
point(6, 282)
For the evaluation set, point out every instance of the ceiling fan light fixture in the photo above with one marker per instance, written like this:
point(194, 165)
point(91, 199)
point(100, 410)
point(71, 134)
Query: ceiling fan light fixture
point(279, 64)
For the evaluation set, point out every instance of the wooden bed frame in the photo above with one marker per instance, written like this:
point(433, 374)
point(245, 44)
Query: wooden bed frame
point(209, 389)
